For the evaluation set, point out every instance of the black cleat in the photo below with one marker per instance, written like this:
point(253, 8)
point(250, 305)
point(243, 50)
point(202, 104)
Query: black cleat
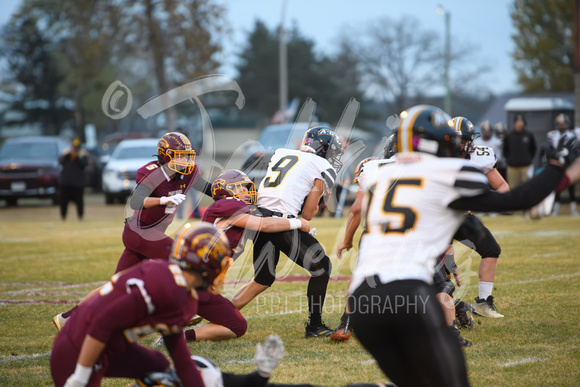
point(318, 330)
point(464, 314)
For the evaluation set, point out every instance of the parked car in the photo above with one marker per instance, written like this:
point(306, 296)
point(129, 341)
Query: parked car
point(29, 168)
point(120, 172)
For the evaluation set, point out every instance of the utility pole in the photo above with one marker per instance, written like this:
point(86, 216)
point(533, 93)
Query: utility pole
point(576, 40)
point(447, 14)
point(283, 65)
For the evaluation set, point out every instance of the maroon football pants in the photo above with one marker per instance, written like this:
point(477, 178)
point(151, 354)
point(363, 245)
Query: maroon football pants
point(133, 362)
point(141, 244)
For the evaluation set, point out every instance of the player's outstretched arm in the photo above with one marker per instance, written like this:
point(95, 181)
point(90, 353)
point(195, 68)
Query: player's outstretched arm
point(270, 224)
point(352, 223)
point(497, 181)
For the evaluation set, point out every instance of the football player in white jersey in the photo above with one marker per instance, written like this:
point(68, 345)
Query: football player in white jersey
point(412, 209)
point(472, 232)
point(343, 331)
point(295, 183)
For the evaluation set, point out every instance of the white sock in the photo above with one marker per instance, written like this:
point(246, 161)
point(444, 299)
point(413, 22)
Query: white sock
point(485, 289)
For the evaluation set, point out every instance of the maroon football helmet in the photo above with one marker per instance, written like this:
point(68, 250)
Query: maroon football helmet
point(174, 149)
point(205, 249)
point(234, 183)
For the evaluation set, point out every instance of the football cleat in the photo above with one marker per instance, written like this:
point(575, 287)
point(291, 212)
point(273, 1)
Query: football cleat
point(486, 308)
point(463, 313)
point(317, 330)
point(342, 332)
point(463, 342)
point(58, 321)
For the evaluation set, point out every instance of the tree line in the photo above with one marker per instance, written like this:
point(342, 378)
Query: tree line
point(60, 57)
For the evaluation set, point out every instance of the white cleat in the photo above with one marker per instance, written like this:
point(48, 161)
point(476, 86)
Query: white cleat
point(58, 321)
point(486, 308)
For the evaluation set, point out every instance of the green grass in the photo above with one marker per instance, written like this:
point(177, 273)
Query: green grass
point(47, 265)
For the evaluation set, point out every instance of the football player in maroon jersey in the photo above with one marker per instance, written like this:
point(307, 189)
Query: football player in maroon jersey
point(100, 338)
point(233, 193)
point(161, 187)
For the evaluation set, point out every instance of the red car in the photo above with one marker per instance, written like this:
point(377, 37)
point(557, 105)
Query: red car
point(29, 168)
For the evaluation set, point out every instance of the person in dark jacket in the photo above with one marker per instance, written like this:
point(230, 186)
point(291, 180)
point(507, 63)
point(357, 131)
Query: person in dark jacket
point(519, 149)
point(74, 160)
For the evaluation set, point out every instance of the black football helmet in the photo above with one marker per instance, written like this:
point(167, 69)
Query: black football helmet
point(428, 129)
point(231, 183)
point(203, 248)
point(466, 131)
point(174, 150)
point(390, 146)
point(325, 143)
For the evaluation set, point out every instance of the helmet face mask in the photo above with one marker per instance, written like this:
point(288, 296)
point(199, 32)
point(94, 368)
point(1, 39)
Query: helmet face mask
point(234, 183)
point(427, 129)
point(325, 143)
point(175, 150)
point(466, 131)
point(205, 249)
point(391, 146)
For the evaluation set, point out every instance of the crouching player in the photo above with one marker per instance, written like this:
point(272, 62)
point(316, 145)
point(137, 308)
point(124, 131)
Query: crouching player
point(100, 338)
point(234, 194)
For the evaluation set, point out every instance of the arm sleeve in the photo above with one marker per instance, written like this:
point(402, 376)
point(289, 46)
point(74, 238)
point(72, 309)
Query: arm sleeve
point(184, 366)
point(141, 192)
point(119, 314)
point(202, 186)
point(523, 197)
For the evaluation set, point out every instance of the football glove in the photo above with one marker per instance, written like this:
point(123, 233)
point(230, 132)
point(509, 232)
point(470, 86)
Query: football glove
point(176, 199)
point(268, 355)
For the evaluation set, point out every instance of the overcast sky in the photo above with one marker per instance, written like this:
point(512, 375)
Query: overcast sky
point(484, 25)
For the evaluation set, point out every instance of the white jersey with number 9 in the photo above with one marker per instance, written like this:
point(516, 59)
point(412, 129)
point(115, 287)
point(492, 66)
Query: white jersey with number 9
point(290, 178)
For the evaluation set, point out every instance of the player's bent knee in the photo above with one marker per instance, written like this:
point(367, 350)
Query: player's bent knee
point(320, 268)
point(493, 252)
point(240, 328)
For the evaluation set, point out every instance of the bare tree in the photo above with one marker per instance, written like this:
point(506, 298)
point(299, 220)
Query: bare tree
point(403, 63)
point(179, 38)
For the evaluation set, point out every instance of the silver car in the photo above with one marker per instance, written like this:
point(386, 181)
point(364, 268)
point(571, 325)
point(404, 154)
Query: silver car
point(120, 172)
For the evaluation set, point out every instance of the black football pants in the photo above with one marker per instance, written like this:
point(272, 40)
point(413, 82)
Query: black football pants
point(402, 325)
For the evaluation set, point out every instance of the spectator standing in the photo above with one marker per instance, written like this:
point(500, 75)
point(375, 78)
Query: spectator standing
point(74, 160)
point(519, 149)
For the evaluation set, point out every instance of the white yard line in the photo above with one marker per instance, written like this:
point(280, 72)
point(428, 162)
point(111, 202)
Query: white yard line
point(521, 361)
point(8, 358)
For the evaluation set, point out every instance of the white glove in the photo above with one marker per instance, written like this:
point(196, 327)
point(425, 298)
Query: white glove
point(80, 378)
point(312, 231)
point(268, 355)
point(176, 199)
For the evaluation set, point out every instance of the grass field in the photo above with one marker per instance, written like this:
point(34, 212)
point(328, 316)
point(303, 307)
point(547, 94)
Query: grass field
point(47, 265)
